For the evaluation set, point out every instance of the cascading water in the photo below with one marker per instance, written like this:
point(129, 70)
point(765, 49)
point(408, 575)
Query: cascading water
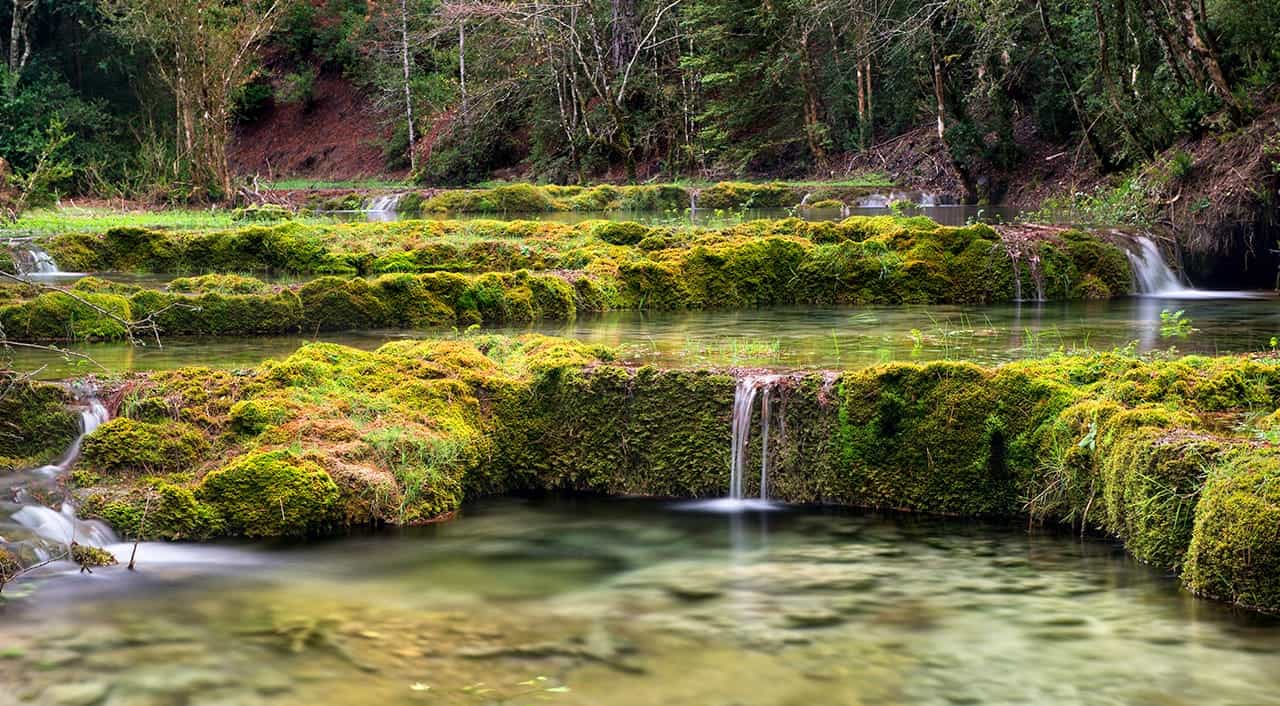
point(31, 261)
point(750, 388)
point(36, 532)
point(1152, 277)
point(383, 208)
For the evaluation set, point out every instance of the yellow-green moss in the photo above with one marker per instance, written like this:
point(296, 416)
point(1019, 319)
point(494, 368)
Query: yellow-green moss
point(128, 444)
point(271, 494)
point(1235, 547)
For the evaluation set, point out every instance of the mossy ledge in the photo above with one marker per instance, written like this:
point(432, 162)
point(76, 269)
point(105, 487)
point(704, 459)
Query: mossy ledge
point(1172, 456)
point(442, 274)
point(534, 198)
point(35, 424)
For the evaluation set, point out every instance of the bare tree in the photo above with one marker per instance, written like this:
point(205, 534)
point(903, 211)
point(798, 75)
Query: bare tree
point(203, 52)
point(408, 85)
point(591, 50)
point(19, 35)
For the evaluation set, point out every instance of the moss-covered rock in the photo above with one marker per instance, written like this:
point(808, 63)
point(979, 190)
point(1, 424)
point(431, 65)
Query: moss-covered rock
point(1235, 548)
point(124, 444)
point(620, 232)
point(220, 283)
point(67, 317)
point(337, 304)
point(271, 494)
point(36, 427)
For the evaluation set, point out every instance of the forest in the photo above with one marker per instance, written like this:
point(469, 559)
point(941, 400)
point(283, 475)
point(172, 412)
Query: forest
point(143, 99)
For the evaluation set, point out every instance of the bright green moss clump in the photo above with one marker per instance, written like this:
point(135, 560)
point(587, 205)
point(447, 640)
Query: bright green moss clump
point(271, 495)
point(58, 316)
point(1235, 548)
point(124, 443)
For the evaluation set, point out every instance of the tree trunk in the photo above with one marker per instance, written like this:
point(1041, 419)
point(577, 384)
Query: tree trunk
point(1085, 124)
point(408, 88)
point(870, 130)
point(941, 105)
point(462, 68)
point(812, 103)
point(1179, 60)
point(19, 39)
point(1209, 59)
point(622, 26)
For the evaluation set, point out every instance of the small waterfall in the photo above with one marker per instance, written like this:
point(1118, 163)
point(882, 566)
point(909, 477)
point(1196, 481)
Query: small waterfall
point(35, 531)
point(693, 200)
point(31, 261)
point(383, 208)
point(749, 389)
point(1152, 277)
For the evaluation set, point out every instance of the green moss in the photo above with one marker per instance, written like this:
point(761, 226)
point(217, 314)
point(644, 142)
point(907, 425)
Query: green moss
point(1235, 548)
point(824, 204)
point(219, 283)
point(336, 304)
point(127, 444)
point(1100, 261)
point(410, 302)
point(59, 316)
point(620, 232)
point(271, 494)
point(332, 435)
point(265, 213)
point(36, 427)
point(91, 557)
point(733, 195)
point(1152, 476)
point(252, 417)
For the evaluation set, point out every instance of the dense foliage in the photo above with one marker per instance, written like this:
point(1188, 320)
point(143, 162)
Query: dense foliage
point(580, 88)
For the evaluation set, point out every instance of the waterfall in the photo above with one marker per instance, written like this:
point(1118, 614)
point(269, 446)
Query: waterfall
point(749, 389)
point(35, 531)
point(1152, 277)
point(383, 208)
point(31, 261)
point(693, 200)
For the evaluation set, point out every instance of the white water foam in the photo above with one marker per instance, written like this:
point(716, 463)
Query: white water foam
point(1154, 278)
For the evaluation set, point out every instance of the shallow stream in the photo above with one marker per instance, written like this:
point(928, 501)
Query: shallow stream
point(579, 601)
point(786, 337)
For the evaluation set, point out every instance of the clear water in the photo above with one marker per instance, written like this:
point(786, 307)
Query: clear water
point(947, 215)
point(784, 338)
point(632, 603)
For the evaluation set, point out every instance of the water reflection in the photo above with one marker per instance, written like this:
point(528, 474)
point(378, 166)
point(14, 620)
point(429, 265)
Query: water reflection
point(785, 337)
